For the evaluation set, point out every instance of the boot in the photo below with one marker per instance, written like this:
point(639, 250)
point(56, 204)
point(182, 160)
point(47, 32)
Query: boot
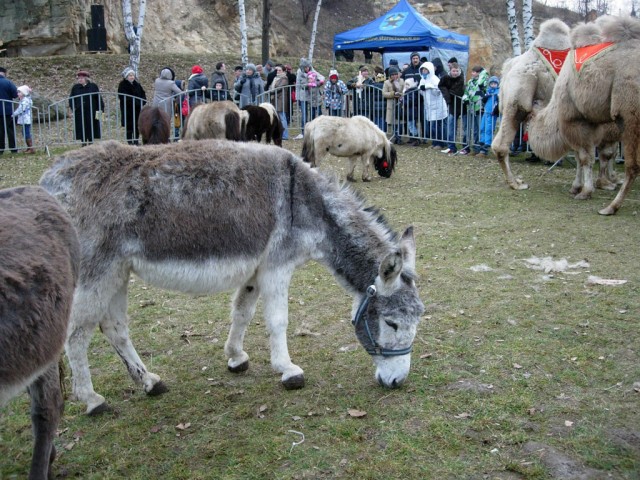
point(30, 145)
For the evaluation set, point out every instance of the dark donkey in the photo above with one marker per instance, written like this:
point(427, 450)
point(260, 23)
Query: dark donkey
point(213, 215)
point(39, 263)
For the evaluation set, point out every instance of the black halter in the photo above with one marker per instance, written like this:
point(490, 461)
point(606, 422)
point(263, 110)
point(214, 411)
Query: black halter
point(376, 349)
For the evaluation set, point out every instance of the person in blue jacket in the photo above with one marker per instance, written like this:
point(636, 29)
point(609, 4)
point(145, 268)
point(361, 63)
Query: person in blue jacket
point(489, 119)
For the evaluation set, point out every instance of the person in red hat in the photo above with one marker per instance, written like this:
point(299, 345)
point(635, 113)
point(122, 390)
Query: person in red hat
point(87, 106)
point(334, 93)
point(198, 86)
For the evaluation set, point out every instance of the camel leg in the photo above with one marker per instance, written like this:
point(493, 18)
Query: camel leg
point(366, 175)
point(585, 160)
point(242, 311)
point(606, 176)
point(115, 325)
point(631, 169)
point(500, 147)
point(274, 285)
point(352, 167)
point(47, 406)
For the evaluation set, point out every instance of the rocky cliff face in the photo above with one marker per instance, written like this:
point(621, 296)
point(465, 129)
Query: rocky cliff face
point(59, 27)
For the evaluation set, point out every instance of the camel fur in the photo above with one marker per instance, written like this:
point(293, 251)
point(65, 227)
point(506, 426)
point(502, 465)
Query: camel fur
point(526, 79)
point(596, 105)
point(218, 120)
point(357, 138)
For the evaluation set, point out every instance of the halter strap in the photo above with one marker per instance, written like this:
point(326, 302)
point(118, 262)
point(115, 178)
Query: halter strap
point(376, 349)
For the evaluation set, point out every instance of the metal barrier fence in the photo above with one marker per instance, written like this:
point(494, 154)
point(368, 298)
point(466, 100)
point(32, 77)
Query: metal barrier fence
point(108, 115)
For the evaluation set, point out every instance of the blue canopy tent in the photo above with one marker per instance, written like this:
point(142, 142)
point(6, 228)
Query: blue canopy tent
point(401, 31)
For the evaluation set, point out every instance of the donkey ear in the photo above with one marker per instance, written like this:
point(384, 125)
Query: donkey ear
point(389, 269)
point(408, 248)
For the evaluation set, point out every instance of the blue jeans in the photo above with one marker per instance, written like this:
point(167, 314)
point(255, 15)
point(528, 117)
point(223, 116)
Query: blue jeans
point(285, 125)
point(438, 132)
point(303, 114)
point(471, 125)
point(451, 132)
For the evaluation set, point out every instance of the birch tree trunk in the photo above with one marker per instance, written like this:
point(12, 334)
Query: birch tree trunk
point(243, 33)
point(527, 23)
point(513, 27)
point(312, 43)
point(133, 33)
point(266, 25)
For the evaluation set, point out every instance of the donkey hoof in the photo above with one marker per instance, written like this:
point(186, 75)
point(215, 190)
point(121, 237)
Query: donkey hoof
point(158, 389)
point(100, 409)
point(293, 383)
point(243, 367)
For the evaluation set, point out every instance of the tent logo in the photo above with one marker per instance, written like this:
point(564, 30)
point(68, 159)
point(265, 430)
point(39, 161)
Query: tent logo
point(393, 20)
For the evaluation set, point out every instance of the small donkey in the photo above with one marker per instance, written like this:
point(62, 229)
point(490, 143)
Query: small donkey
point(39, 263)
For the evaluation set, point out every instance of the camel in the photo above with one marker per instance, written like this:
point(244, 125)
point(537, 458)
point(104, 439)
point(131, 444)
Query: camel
point(529, 80)
point(595, 100)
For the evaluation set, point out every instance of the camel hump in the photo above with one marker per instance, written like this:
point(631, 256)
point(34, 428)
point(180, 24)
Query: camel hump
point(619, 29)
point(586, 34)
point(554, 34)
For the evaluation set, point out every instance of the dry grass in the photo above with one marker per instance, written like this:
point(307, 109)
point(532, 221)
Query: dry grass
point(503, 357)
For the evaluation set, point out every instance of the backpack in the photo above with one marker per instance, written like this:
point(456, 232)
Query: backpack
point(185, 107)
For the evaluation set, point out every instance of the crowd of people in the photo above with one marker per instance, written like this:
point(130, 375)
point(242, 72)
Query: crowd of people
point(421, 100)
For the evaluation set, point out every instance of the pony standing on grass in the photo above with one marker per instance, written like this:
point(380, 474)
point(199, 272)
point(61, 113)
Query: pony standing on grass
point(39, 263)
point(221, 120)
point(357, 138)
point(263, 119)
point(208, 216)
point(154, 125)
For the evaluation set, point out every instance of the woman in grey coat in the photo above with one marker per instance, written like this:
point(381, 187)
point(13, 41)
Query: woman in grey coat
point(164, 91)
point(249, 86)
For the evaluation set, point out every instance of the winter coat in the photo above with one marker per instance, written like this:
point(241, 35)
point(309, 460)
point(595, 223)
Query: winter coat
point(8, 92)
point(475, 90)
point(306, 93)
point(85, 101)
point(249, 88)
point(23, 112)
point(196, 94)
point(132, 98)
point(164, 91)
point(452, 90)
point(279, 94)
point(389, 90)
point(334, 95)
point(362, 96)
point(219, 77)
point(435, 107)
point(490, 100)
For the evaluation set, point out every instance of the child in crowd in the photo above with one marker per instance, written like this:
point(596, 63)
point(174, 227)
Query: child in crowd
point(490, 115)
point(23, 115)
point(334, 93)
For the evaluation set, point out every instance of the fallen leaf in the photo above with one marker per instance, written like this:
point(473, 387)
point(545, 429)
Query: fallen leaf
point(517, 366)
point(69, 445)
point(155, 428)
point(296, 418)
point(262, 408)
point(356, 413)
point(593, 280)
point(426, 355)
point(568, 423)
point(183, 426)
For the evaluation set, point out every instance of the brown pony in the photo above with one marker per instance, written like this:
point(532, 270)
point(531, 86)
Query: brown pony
point(154, 125)
point(39, 264)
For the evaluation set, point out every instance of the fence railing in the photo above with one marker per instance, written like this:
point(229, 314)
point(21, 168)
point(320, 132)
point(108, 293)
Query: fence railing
point(109, 115)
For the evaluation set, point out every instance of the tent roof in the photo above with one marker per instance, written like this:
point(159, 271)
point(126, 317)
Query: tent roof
point(400, 29)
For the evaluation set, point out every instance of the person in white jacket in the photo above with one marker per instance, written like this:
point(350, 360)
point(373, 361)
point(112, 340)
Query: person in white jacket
point(435, 106)
point(23, 115)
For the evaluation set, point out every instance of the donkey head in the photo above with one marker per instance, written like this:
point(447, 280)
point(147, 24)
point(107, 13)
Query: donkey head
point(388, 315)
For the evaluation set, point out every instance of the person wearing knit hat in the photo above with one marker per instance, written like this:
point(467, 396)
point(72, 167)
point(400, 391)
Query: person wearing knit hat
point(198, 86)
point(392, 92)
point(334, 93)
point(8, 92)
point(489, 116)
point(87, 105)
point(132, 98)
point(22, 114)
point(308, 97)
point(249, 85)
point(411, 76)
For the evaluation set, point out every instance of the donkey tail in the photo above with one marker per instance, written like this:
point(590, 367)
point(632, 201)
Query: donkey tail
point(232, 126)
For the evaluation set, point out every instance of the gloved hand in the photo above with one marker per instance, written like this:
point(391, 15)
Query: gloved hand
point(423, 87)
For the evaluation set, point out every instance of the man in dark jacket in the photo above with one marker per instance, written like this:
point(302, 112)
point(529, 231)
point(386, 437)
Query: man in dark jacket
point(452, 88)
point(8, 92)
point(219, 76)
point(413, 71)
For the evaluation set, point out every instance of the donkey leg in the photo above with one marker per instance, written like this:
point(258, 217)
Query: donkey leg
point(47, 405)
point(242, 311)
point(115, 325)
point(275, 288)
point(84, 318)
